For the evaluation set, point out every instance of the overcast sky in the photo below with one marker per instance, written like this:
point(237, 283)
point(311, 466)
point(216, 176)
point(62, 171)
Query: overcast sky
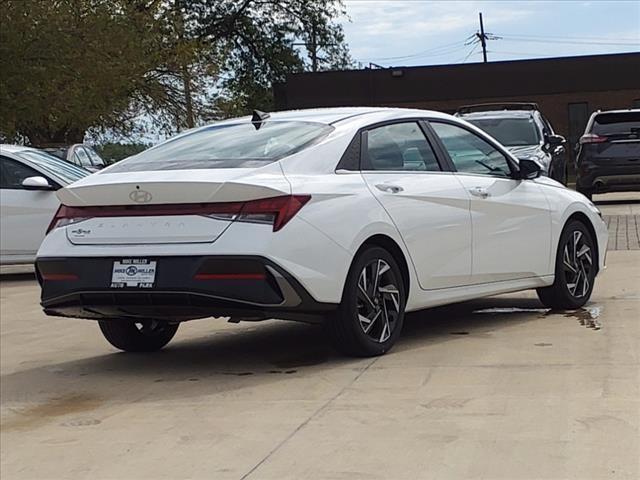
point(420, 32)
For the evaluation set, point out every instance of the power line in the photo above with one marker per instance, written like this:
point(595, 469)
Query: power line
point(565, 37)
point(502, 52)
point(568, 42)
point(471, 52)
point(428, 52)
point(481, 37)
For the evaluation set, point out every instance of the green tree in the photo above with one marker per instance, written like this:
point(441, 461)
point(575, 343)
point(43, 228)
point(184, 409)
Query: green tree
point(68, 66)
point(114, 152)
point(266, 40)
point(63, 72)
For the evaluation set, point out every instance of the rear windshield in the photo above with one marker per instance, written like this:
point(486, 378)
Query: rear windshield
point(616, 123)
point(510, 132)
point(237, 145)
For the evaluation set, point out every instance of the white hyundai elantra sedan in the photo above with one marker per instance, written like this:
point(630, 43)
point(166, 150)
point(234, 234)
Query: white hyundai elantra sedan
point(349, 217)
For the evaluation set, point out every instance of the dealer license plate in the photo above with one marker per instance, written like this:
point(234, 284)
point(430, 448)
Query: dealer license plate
point(133, 272)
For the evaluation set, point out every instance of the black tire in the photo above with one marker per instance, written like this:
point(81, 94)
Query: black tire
point(382, 306)
point(143, 336)
point(575, 262)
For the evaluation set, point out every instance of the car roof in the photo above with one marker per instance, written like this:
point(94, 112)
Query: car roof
point(332, 115)
point(497, 114)
point(5, 147)
point(626, 110)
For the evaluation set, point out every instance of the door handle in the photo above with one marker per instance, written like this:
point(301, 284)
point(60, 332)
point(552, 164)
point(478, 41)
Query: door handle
point(479, 192)
point(385, 187)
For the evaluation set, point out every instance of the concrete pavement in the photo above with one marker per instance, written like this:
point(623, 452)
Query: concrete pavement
point(497, 388)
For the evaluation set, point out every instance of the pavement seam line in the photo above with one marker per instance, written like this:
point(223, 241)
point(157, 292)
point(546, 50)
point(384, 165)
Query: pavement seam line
point(306, 422)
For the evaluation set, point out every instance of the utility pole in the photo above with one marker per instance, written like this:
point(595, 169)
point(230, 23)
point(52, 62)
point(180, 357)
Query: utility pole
point(313, 47)
point(483, 39)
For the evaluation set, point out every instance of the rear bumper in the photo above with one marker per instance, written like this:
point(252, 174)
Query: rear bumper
point(597, 178)
point(185, 288)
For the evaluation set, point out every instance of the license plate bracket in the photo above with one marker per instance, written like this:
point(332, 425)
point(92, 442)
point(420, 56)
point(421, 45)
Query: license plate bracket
point(133, 273)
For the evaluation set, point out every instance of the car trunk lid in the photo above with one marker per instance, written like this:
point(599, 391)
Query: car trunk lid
point(164, 206)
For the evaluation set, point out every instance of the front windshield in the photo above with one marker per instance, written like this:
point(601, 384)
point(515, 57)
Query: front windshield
point(233, 145)
point(510, 132)
point(57, 168)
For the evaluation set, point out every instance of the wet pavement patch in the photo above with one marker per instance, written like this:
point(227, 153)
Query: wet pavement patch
point(458, 333)
point(586, 316)
point(542, 344)
point(31, 417)
point(512, 310)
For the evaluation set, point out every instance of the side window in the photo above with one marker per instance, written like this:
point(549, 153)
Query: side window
point(95, 158)
point(470, 153)
point(82, 157)
point(400, 147)
point(14, 173)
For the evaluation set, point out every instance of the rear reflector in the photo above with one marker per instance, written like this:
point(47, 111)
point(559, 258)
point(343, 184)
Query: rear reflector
point(59, 276)
point(276, 211)
point(592, 138)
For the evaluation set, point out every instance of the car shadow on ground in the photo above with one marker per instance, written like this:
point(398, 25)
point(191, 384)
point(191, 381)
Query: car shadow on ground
point(253, 355)
point(7, 278)
point(616, 202)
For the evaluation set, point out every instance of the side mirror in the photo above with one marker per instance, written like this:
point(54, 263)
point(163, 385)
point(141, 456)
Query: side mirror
point(555, 140)
point(529, 169)
point(37, 183)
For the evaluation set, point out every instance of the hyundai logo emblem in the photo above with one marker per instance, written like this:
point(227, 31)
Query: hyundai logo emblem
point(140, 196)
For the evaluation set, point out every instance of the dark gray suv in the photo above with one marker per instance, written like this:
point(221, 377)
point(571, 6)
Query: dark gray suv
point(609, 155)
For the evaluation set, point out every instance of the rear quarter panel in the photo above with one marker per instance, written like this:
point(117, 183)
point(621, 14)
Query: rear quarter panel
point(345, 210)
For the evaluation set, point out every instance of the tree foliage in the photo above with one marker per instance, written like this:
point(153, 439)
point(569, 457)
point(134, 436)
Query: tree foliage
point(114, 152)
point(68, 66)
point(62, 72)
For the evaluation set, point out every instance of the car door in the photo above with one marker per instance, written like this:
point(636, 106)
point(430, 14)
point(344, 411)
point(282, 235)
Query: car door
point(428, 205)
point(511, 218)
point(24, 214)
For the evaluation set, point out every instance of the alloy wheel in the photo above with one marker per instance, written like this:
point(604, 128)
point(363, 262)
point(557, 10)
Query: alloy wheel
point(378, 300)
point(577, 261)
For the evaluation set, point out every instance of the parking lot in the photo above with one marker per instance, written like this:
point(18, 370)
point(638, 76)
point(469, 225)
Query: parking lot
point(493, 388)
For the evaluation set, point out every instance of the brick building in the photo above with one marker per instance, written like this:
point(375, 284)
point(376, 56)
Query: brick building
point(567, 89)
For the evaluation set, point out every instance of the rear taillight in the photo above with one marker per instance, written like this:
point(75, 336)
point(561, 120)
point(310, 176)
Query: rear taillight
point(592, 138)
point(276, 211)
point(65, 216)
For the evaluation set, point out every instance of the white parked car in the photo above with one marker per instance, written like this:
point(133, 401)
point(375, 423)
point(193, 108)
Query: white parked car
point(28, 181)
point(346, 216)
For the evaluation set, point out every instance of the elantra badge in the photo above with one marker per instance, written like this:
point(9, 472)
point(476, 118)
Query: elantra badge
point(140, 196)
